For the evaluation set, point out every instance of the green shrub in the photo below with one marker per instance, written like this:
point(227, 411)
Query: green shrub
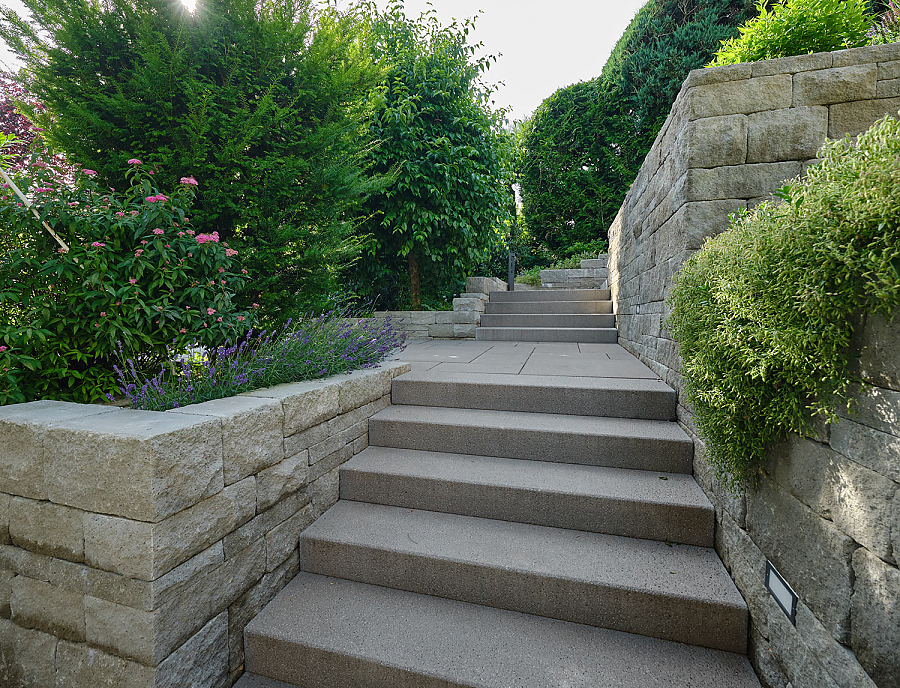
point(267, 104)
point(798, 27)
point(764, 312)
point(134, 272)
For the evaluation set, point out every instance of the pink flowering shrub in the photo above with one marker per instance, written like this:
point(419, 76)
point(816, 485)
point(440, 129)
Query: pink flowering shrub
point(134, 273)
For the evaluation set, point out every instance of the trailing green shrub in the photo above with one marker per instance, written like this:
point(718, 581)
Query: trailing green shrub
point(585, 144)
point(764, 312)
point(135, 273)
point(798, 27)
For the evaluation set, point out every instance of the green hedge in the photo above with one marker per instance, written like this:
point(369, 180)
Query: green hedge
point(765, 312)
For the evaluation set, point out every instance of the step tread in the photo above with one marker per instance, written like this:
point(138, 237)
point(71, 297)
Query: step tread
point(551, 295)
point(634, 428)
point(659, 506)
point(397, 639)
point(555, 307)
point(628, 564)
point(645, 487)
point(609, 335)
point(550, 320)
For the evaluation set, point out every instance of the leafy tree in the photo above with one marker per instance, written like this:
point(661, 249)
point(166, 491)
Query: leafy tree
point(607, 125)
point(446, 152)
point(265, 103)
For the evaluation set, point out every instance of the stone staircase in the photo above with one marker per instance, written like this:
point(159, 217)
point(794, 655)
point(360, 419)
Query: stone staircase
point(509, 531)
point(549, 315)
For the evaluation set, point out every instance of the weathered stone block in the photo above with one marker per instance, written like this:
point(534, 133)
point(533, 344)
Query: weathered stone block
point(737, 182)
point(703, 219)
point(862, 505)
point(26, 656)
point(81, 666)
point(790, 134)
point(441, 331)
point(250, 603)
point(282, 479)
point(877, 450)
point(149, 550)
point(47, 528)
point(889, 70)
point(143, 465)
point(839, 85)
point(464, 331)
point(879, 351)
point(803, 468)
point(714, 142)
point(365, 386)
point(444, 318)
point(305, 403)
point(792, 65)
point(876, 618)
point(4, 518)
point(740, 97)
point(812, 555)
point(877, 408)
point(202, 662)
point(252, 432)
point(150, 637)
point(5, 592)
point(48, 608)
point(850, 119)
point(257, 528)
point(888, 89)
point(867, 54)
point(325, 492)
point(484, 285)
point(282, 540)
point(22, 429)
point(717, 75)
point(463, 304)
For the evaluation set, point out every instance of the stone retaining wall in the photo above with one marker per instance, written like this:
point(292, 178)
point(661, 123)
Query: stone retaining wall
point(827, 511)
point(135, 545)
point(460, 323)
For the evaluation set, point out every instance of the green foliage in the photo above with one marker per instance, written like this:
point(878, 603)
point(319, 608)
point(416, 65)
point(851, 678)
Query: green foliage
point(798, 27)
point(134, 273)
point(887, 28)
point(446, 153)
point(764, 313)
point(333, 343)
point(267, 104)
point(586, 143)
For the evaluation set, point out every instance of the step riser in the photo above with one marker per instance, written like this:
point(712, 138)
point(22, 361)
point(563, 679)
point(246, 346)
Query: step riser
point(686, 525)
point(548, 320)
point(535, 445)
point(527, 334)
point(695, 622)
point(560, 307)
point(551, 295)
point(613, 403)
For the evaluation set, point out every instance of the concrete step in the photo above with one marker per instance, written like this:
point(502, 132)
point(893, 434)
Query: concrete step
point(672, 592)
point(593, 335)
point(649, 445)
point(579, 396)
point(639, 504)
point(322, 632)
point(595, 263)
point(549, 320)
point(551, 295)
point(548, 307)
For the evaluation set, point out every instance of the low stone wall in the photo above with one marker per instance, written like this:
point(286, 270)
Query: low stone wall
point(593, 274)
point(135, 545)
point(460, 323)
point(827, 511)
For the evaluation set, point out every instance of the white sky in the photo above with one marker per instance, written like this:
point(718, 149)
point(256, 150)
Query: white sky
point(542, 45)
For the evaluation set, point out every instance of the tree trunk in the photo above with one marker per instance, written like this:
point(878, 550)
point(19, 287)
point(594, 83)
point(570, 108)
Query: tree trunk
point(415, 291)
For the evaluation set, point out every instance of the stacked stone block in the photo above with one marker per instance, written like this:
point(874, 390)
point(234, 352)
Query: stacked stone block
point(460, 323)
point(135, 545)
point(826, 512)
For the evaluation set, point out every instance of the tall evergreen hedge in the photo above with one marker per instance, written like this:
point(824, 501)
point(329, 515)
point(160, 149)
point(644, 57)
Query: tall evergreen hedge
point(586, 142)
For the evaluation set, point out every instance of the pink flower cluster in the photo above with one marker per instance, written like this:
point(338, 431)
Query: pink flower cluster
point(189, 181)
point(230, 252)
point(89, 173)
point(158, 198)
point(158, 231)
point(97, 244)
point(204, 238)
point(135, 161)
